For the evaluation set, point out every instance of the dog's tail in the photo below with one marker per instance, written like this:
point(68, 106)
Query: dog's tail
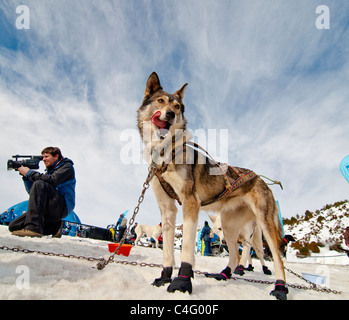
point(281, 240)
point(278, 230)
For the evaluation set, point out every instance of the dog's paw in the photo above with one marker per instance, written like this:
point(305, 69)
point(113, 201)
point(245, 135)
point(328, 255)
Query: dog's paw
point(182, 284)
point(250, 268)
point(266, 271)
point(165, 278)
point(280, 292)
point(279, 295)
point(217, 276)
point(224, 275)
point(159, 282)
point(239, 270)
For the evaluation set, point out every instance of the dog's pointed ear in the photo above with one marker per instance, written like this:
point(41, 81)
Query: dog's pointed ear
point(181, 91)
point(212, 218)
point(153, 85)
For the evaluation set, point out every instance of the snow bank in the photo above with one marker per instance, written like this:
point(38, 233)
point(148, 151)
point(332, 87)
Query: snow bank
point(34, 276)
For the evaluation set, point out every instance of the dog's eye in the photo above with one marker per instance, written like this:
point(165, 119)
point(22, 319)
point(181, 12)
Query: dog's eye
point(177, 106)
point(160, 100)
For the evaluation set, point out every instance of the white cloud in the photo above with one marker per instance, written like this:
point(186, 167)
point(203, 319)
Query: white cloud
point(261, 70)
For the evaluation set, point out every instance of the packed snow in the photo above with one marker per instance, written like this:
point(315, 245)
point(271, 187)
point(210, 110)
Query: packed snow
point(36, 276)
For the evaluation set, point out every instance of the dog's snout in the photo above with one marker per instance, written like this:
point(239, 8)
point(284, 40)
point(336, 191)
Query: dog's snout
point(170, 115)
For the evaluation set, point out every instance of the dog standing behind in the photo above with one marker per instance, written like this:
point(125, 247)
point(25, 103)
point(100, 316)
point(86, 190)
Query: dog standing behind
point(162, 126)
point(150, 231)
point(250, 235)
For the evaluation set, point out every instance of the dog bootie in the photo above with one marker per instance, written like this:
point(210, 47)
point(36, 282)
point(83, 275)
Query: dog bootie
point(249, 268)
point(166, 275)
point(266, 270)
point(239, 270)
point(280, 292)
point(224, 275)
point(182, 283)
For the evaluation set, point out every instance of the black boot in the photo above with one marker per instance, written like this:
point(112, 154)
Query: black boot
point(224, 275)
point(182, 282)
point(166, 275)
point(249, 268)
point(280, 292)
point(266, 270)
point(239, 270)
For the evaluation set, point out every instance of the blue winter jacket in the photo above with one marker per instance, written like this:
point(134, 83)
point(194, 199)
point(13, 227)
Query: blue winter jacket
point(206, 233)
point(61, 175)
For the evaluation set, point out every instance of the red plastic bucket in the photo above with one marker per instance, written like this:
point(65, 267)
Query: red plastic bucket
point(124, 250)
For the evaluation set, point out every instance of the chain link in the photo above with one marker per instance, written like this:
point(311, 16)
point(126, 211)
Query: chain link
point(151, 172)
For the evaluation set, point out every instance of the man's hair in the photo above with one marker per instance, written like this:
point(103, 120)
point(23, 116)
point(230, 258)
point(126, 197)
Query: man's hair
point(53, 151)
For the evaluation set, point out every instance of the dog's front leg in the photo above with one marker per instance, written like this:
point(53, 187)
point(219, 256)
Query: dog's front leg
point(190, 220)
point(168, 220)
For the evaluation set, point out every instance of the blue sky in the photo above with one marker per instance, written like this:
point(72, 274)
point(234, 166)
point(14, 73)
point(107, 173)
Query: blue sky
point(261, 70)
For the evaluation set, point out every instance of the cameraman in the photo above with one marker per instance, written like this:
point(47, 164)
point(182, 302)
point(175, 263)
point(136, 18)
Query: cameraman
point(51, 196)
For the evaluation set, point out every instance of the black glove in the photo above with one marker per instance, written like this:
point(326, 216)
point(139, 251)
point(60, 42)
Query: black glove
point(182, 283)
point(280, 292)
point(266, 270)
point(239, 270)
point(249, 268)
point(224, 275)
point(165, 277)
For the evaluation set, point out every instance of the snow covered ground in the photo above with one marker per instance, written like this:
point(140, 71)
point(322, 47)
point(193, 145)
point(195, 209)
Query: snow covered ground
point(39, 277)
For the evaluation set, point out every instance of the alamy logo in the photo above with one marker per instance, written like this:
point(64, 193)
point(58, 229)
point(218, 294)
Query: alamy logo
point(22, 281)
point(131, 153)
point(23, 20)
point(323, 20)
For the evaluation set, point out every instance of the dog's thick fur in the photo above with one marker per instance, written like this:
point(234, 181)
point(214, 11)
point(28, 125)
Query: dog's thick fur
point(150, 231)
point(192, 182)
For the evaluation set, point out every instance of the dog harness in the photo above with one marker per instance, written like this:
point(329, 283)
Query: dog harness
point(229, 187)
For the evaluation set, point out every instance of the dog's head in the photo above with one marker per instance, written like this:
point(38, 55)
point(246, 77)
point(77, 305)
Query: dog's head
point(161, 112)
point(217, 227)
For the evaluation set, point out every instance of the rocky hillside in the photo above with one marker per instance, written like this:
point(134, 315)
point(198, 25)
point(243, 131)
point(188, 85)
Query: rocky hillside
point(322, 228)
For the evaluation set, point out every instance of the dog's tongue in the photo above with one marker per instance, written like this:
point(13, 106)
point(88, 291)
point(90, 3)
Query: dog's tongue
point(155, 119)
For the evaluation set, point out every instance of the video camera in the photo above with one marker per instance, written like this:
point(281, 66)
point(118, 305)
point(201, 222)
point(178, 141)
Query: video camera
point(31, 163)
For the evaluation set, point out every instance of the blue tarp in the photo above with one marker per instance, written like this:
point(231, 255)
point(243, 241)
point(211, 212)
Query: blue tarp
point(125, 213)
point(344, 167)
point(23, 206)
point(200, 245)
point(19, 208)
point(280, 219)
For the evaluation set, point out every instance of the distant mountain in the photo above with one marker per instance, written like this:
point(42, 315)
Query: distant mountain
point(324, 227)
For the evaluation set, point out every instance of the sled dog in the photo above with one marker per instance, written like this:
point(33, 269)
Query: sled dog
point(188, 176)
point(250, 235)
point(150, 231)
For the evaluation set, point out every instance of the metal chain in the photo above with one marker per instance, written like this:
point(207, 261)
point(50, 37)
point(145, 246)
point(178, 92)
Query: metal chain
point(72, 256)
point(151, 172)
point(103, 262)
point(51, 254)
point(313, 286)
point(155, 265)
